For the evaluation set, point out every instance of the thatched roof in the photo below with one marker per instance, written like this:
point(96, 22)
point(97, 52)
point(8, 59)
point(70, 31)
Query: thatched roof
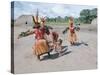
point(24, 20)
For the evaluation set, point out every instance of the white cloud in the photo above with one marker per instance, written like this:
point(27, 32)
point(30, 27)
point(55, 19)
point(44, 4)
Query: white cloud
point(47, 9)
point(58, 9)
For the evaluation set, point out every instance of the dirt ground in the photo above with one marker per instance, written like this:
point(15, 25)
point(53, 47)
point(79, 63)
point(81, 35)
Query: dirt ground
point(82, 56)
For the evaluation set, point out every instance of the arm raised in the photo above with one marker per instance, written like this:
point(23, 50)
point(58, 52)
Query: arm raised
point(26, 33)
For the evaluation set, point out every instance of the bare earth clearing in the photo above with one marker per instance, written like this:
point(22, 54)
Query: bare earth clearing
point(79, 57)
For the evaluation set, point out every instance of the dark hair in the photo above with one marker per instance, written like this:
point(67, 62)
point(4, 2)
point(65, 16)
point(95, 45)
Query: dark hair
point(36, 26)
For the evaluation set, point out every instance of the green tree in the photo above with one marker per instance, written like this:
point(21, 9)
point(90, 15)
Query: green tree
point(93, 13)
point(66, 18)
point(86, 15)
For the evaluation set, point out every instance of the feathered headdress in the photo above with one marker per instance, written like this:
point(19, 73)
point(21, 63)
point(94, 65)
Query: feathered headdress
point(36, 19)
point(71, 21)
point(43, 19)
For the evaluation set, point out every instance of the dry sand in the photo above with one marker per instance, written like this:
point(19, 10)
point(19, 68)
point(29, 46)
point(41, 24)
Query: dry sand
point(79, 57)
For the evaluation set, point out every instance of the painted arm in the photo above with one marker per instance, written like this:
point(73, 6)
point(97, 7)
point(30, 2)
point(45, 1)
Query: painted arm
point(24, 34)
point(65, 31)
point(77, 28)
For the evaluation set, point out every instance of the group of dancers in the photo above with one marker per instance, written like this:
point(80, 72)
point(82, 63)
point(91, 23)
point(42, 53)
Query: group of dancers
point(46, 39)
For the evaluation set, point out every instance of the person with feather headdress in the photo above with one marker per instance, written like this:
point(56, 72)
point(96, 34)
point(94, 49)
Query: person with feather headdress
point(71, 31)
point(40, 45)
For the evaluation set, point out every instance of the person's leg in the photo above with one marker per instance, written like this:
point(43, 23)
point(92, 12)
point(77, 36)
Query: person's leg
point(60, 54)
point(49, 54)
point(60, 50)
point(71, 40)
point(38, 56)
point(74, 38)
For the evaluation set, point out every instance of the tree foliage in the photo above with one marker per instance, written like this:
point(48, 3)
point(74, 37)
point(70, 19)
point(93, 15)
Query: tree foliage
point(86, 15)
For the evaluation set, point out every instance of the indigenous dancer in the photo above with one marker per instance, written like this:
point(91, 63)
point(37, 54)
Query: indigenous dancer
point(50, 36)
point(40, 47)
point(72, 34)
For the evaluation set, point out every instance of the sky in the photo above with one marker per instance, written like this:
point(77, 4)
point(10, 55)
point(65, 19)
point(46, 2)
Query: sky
point(48, 9)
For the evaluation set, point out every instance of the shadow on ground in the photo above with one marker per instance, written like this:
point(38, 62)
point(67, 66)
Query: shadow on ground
point(56, 55)
point(80, 43)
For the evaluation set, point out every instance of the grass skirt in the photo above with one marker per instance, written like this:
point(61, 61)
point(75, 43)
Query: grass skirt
point(40, 47)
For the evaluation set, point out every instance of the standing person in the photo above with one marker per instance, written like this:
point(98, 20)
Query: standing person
point(40, 47)
point(72, 34)
point(40, 44)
